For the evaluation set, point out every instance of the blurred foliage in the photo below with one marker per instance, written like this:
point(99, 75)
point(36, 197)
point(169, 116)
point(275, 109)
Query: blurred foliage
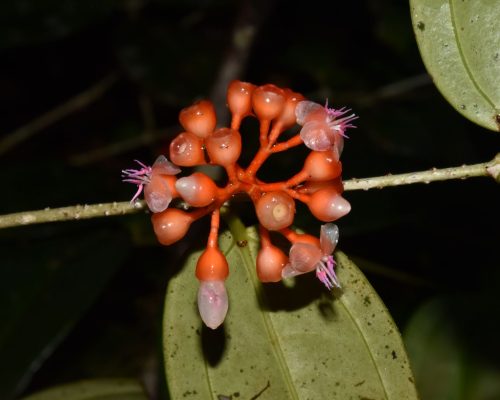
point(170, 52)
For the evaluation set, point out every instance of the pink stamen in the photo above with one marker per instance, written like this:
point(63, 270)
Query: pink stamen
point(139, 177)
point(340, 124)
point(326, 273)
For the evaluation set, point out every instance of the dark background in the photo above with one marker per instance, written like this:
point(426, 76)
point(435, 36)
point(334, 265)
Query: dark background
point(84, 299)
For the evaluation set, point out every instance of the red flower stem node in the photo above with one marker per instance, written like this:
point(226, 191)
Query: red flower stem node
point(317, 183)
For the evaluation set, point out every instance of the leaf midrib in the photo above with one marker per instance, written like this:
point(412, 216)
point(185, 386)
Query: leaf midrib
point(238, 230)
point(463, 58)
point(360, 331)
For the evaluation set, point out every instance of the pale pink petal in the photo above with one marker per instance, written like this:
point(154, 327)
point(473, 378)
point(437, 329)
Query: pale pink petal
point(304, 109)
point(317, 135)
point(329, 238)
point(304, 257)
point(212, 303)
point(338, 146)
point(157, 194)
point(288, 272)
point(165, 167)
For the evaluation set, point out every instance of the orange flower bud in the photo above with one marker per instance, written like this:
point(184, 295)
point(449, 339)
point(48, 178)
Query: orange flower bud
point(199, 118)
point(212, 265)
point(287, 117)
point(270, 262)
point(186, 150)
point(171, 225)
point(198, 190)
point(268, 102)
point(323, 165)
point(224, 146)
point(328, 205)
point(239, 98)
point(275, 210)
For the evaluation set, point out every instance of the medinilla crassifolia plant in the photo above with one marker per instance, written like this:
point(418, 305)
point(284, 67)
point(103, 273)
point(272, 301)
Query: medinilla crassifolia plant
point(318, 184)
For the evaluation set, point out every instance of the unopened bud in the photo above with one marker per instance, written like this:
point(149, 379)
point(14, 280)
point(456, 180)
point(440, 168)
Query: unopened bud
point(171, 225)
point(198, 190)
point(275, 210)
point(199, 118)
point(212, 303)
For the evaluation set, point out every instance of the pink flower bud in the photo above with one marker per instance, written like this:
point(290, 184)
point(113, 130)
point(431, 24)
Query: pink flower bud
point(305, 110)
point(303, 258)
point(157, 194)
point(212, 303)
point(317, 135)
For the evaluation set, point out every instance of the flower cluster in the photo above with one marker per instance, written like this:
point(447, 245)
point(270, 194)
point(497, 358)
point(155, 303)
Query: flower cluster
point(318, 184)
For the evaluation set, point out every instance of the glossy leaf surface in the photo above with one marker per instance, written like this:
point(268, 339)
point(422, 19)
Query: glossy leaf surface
point(460, 45)
point(283, 342)
point(102, 389)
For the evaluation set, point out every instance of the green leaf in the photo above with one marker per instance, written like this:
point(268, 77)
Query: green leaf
point(46, 285)
point(283, 342)
point(101, 389)
point(459, 41)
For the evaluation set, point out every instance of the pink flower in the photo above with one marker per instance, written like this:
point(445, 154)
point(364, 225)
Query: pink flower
point(306, 257)
point(323, 127)
point(152, 180)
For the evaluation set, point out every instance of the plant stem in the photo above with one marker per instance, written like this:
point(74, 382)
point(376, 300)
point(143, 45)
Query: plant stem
point(491, 169)
point(70, 213)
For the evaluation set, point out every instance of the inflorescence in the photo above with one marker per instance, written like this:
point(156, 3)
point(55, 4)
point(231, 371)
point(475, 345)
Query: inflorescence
point(318, 184)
